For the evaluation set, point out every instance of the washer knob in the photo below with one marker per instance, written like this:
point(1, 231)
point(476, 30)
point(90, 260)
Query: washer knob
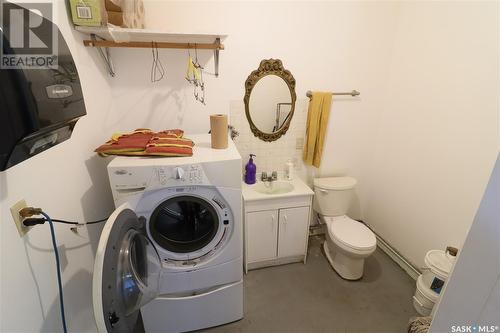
point(178, 173)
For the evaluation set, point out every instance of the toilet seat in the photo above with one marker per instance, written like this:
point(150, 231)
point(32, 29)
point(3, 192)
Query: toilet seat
point(350, 233)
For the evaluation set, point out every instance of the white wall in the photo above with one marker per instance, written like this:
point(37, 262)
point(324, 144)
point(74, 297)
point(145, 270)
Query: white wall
point(335, 46)
point(480, 253)
point(435, 139)
point(472, 294)
point(330, 46)
point(69, 181)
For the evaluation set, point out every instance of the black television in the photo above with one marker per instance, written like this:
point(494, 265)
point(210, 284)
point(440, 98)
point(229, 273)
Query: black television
point(39, 107)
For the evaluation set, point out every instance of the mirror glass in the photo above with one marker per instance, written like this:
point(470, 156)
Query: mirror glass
point(270, 104)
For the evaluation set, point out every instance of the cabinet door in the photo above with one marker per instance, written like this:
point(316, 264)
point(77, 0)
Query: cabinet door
point(262, 235)
point(293, 231)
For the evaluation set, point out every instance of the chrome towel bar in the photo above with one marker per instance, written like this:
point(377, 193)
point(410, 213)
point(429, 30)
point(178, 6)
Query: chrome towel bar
point(353, 93)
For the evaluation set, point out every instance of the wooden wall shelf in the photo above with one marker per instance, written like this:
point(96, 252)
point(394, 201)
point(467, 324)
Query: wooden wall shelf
point(104, 38)
point(161, 45)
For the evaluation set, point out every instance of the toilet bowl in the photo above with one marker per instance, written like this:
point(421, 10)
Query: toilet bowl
point(348, 242)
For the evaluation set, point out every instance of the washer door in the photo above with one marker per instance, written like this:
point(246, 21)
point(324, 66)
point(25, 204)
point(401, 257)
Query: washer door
point(126, 272)
point(184, 224)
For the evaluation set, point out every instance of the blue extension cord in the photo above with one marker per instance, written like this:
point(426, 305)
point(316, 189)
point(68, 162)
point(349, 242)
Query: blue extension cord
point(59, 280)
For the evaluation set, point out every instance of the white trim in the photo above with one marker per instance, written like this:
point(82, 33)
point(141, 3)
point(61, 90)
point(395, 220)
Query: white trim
point(276, 261)
point(411, 270)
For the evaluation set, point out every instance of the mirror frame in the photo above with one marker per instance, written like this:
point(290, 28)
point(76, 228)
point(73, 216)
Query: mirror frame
point(269, 67)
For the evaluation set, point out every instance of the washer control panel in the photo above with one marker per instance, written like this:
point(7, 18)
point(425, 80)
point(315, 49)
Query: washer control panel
point(163, 175)
point(191, 174)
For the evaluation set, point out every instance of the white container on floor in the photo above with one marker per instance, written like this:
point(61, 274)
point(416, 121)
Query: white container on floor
point(424, 298)
point(435, 273)
point(437, 268)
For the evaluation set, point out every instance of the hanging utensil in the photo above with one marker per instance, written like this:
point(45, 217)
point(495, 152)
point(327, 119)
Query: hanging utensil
point(157, 69)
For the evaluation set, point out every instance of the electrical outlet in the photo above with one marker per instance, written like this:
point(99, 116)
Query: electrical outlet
point(18, 219)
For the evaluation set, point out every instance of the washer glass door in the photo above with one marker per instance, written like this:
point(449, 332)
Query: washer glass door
point(126, 272)
point(138, 269)
point(184, 224)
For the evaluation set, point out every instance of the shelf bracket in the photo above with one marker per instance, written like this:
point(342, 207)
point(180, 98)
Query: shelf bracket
point(105, 56)
point(216, 57)
point(104, 45)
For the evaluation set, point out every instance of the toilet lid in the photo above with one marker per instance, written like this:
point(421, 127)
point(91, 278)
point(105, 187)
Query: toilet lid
point(352, 233)
point(335, 183)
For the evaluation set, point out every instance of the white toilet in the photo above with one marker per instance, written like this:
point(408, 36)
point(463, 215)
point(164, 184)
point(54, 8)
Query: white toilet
point(348, 242)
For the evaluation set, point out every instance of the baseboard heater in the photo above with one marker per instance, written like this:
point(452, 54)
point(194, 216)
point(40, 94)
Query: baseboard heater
point(411, 270)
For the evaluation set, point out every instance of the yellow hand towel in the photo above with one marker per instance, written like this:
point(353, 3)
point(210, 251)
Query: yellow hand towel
point(317, 121)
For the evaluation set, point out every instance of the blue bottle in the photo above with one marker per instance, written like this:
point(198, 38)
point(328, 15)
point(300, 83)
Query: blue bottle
point(250, 171)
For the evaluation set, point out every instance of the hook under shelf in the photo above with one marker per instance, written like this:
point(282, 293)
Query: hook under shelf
point(103, 45)
point(105, 56)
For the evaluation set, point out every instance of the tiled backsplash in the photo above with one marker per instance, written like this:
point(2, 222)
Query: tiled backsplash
point(271, 156)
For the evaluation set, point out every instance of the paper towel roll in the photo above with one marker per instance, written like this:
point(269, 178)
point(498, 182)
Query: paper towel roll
point(218, 129)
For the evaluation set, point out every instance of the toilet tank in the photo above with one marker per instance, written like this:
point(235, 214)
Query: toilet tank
point(333, 195)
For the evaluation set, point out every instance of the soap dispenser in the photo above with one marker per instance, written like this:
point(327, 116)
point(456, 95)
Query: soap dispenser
point(250, 171)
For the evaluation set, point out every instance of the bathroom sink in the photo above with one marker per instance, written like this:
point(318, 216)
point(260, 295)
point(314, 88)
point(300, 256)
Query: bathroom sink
point(275, 187)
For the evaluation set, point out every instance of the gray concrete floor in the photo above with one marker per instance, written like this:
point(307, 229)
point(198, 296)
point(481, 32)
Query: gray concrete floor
point(313, 298)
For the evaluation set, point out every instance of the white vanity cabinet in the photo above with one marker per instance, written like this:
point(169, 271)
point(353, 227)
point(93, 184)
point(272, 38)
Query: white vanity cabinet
point(276, 227)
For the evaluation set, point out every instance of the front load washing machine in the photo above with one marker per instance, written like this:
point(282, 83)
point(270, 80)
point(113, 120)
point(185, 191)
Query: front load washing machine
point(173, 247)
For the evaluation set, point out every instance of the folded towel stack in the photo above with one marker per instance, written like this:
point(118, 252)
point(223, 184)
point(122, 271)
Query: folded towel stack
point(144, 142)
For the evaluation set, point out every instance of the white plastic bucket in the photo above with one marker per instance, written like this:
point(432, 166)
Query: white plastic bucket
point(437, 269)
point(430, 282)
point(424, 298)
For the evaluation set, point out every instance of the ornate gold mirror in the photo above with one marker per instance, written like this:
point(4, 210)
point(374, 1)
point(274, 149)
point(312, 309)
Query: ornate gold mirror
point(270, 100)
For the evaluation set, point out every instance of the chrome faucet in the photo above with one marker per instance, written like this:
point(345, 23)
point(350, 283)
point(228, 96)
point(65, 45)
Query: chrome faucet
point(265, 178)
point(232, 130)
